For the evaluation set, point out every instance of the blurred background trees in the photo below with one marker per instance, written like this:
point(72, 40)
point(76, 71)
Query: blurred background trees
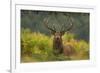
point(34, 21)
point(36, 39)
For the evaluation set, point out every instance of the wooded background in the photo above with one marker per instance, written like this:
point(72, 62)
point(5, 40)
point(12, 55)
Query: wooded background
point(34, 21)
point(37, 40)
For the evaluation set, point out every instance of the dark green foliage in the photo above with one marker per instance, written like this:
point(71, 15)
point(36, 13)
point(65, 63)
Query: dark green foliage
point(34, 21)
point(37, 47)
point(36, 39)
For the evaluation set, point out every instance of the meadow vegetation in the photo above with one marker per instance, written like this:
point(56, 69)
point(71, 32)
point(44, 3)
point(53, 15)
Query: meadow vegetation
point(37, 47)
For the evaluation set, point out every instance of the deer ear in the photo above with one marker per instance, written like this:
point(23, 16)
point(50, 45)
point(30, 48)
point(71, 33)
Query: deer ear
point(62, 33)
point(53, 32)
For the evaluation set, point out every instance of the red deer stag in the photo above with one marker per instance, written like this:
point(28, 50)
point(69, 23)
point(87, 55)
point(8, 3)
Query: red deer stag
point(57, 40)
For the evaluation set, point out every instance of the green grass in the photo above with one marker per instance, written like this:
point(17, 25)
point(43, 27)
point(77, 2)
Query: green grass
point(37, 47)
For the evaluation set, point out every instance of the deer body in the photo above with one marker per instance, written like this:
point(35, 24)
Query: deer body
point(57, 40)
point(57, 43)
point(68, 50)
point(59, 47)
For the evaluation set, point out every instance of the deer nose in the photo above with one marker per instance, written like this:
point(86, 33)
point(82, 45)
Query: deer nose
point(57, 37)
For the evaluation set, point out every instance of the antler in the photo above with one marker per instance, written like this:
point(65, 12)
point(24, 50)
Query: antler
point(64, 28)
point(46, 24)
point(71, 25)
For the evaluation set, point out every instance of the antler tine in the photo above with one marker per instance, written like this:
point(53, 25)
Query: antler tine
point(54, 27)
point(71, 25)
point(63, 28)
point(46, 22)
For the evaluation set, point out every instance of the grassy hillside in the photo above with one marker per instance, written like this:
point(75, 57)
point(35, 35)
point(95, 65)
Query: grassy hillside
point(37, 47)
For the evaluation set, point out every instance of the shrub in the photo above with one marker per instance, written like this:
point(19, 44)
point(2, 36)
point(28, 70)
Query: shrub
point(38, 47)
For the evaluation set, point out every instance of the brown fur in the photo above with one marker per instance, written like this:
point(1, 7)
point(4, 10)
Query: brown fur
point(59, 48)
point(57, 43)
point(68, 50)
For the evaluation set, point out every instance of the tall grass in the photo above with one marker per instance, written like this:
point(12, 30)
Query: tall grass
point(37, 47)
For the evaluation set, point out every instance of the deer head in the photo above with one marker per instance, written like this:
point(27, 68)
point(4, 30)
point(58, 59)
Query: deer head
point(57, 40)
